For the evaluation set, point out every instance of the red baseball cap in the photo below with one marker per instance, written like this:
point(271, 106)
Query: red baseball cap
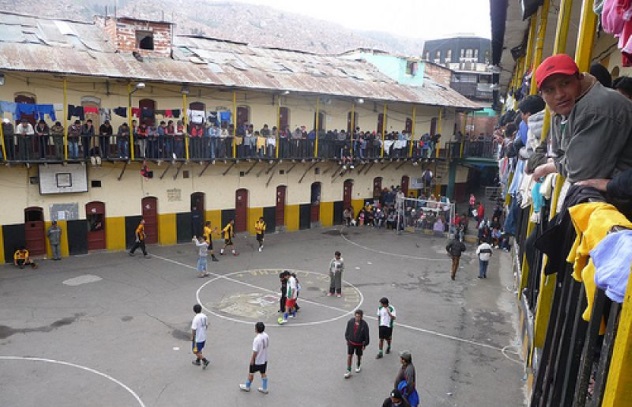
point(560, 63)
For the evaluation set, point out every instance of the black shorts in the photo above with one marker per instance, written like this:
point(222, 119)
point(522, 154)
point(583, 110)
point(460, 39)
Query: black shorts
point(210, 244)
point(259, 237)
point(386, 332)
point(228, 242)
point(357, 349)
point(259, 368)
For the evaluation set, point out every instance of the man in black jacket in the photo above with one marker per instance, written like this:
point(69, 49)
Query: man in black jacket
point(357, 336)
point(454, 249)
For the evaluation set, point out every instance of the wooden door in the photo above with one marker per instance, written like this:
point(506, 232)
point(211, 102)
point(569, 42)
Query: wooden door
point(147, 105)
point(34, 231)
point(347, 191)
point(150, 214)
point(243, 116)
point(377, 187)
point(241, 210)
point(284, 118)
point(279, 212)
point(314, 215)
point(95, 215)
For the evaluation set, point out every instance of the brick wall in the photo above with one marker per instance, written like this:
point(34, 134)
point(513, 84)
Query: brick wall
point(123, 33)
point(439, 74)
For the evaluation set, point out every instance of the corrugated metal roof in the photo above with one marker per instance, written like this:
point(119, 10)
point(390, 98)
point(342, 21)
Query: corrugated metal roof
point(67, 47)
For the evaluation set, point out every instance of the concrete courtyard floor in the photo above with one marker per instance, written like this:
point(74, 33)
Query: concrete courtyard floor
point(107, 329)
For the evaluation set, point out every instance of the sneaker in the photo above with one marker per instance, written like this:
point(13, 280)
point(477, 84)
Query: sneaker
point(205, 364)
point(338, 295)
point(221, 253)
point(262, 390)
point(260, 249)
point(282, 322)
point(379, 355)
point(358, 369)
point(131, 254)
point(235, 254)
point(214, 259)
point(388, 350)
point(329, 294)
point(196, 362)
point(243, 387)
point(348, 374)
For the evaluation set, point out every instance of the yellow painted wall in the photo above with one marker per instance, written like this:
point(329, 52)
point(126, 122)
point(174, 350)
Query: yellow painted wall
point(292, 217)
point(327, 213)
point(357, 204)
point(114, 234)
point(167, 229)
point(215, 217)
point(253, 215)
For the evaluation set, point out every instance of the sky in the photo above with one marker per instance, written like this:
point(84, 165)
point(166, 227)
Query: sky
point(426, 19)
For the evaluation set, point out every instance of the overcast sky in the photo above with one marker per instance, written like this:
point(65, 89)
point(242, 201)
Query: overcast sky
point(426, 19)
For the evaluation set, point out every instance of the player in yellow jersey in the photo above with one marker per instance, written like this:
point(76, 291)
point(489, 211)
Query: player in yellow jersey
point(229, 233)
point(208, 236)
point(260, 230)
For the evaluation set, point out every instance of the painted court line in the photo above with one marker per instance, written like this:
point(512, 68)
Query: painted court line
point(60, 362)
point(410, 327)
point(404, 256)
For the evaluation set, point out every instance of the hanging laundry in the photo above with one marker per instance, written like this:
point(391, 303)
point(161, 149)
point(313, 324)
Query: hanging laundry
point(8, 107)
point(147, 113)
point(91, 110)
point(106, 114)
point(225, 116)
point(176, 113)
point(43, 110)
point(135, 112)
point(168, 113)
point(76, 111)
point(613, 258)
point(196, 116)
point(213, 117)
point(120, 111)
point(160, 113)
point(25, 108)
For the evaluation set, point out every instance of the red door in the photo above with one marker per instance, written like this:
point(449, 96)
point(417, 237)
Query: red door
point(314, 215)
point(279, 212)
point(95, 215)
point(34, 231)
point(405, 183)
point(377, 187)
point(150, 214)
point(147, 105)
point(241, 210)
point(346, 193)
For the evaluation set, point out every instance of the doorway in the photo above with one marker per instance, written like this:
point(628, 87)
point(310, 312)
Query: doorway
point(405, 183)
point(377, 187)
point(279, 210)
point(314, 215)
point(150, 214)
point(241, 210)
point(34, 230)
point(95, 215)
point(347, 191)
point(198, 212)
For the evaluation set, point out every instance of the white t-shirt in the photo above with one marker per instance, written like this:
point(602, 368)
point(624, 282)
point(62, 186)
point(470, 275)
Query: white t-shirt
point(260, 345)
point(292, 288)
point(484, 252)
point(384, 318)
point(200, 323)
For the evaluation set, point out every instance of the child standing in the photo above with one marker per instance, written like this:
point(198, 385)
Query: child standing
point(336, 267)
point(202, 246)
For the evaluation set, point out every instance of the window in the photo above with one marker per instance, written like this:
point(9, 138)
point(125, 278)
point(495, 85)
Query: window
point(427, 56)
point(468, 53)
point(438, 55)
point(448, 56)
point(462, 53)
point(145, 40)
point(475, 53)
point(411, 68)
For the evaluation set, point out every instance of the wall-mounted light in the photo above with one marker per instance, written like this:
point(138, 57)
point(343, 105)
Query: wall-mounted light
point(359, 101)
point(1, 79)
point(285, 92)
point(185, 90)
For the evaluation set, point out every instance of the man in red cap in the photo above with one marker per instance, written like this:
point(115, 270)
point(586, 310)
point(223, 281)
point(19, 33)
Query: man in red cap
point(591, 127)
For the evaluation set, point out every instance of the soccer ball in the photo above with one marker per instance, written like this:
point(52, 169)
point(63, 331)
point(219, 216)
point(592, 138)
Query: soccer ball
point(280, 321)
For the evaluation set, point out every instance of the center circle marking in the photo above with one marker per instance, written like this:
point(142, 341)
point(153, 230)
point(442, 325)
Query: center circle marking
point(260, 302)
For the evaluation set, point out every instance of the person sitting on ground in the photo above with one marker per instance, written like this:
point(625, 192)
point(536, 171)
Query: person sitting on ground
point(22, 258)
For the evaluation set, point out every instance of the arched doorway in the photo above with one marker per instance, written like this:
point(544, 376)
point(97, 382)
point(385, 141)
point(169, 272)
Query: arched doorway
point(314, 215)
point(377, 187)
point(150, 214)
point(95, 215)
point(347, 191)
point(241, 210)
point(405, 184)
point(147, 109)
point(34, 230)
point(198, 212)
point(279, 211)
